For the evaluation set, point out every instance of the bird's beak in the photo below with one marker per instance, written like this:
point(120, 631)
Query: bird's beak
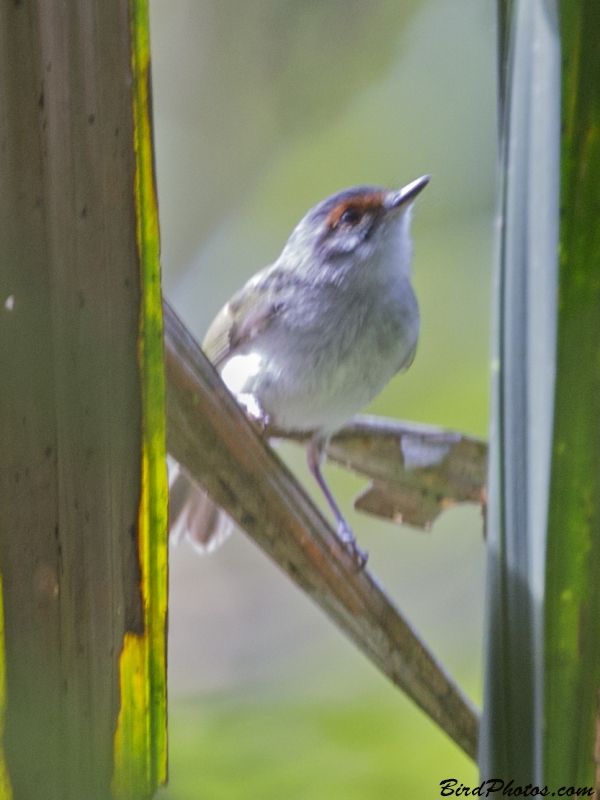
point(408, 193)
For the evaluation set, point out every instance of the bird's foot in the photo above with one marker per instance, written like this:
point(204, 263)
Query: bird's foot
point(346, 537)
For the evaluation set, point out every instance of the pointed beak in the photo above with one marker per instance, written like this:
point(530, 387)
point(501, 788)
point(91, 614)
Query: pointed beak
point(407, 194)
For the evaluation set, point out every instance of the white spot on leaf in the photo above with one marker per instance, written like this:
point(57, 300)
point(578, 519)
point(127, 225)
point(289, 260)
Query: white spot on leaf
point(418, 452)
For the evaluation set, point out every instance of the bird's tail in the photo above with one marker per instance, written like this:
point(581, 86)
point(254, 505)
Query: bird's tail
point(193, 515)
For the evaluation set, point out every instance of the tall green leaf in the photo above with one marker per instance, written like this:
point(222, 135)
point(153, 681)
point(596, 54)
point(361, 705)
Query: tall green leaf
point(573, 569)
point(82, 471)
point(523, 380)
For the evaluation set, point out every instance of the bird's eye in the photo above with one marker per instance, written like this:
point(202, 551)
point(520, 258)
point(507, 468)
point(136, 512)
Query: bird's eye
point(351, 216)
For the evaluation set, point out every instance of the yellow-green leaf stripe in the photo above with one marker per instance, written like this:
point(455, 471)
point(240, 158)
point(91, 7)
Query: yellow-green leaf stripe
point(140, 745)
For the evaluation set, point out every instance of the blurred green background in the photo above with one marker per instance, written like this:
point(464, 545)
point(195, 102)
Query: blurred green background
point(262, 108)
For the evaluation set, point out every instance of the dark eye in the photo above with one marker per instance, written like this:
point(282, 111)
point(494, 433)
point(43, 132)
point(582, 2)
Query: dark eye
point(351, 216)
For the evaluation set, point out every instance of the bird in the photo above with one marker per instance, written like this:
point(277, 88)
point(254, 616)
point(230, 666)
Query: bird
point(310, 340)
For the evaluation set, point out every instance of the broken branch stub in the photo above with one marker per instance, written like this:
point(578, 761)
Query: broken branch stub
point(418, 470)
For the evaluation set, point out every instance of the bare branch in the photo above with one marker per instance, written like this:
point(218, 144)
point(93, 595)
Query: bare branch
point(210, 436)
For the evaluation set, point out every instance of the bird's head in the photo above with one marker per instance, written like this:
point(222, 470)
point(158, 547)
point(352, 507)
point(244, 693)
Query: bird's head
point(353, 228)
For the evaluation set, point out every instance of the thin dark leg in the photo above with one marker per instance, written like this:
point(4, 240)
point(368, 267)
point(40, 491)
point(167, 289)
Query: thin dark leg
point(314, 455)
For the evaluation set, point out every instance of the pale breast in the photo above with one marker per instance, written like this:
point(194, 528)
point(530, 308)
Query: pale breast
point(318, 376)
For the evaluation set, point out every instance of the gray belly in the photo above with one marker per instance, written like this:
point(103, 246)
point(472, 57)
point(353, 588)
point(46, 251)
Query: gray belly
point(318, 382)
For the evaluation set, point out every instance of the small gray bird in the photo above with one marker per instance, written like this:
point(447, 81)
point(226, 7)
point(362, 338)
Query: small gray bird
point(312, 339)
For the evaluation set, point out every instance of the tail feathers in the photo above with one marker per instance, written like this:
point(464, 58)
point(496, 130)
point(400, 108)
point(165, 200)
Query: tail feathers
point(193, 515)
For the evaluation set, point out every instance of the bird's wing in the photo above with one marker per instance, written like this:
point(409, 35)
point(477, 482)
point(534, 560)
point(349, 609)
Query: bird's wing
point(248, 313)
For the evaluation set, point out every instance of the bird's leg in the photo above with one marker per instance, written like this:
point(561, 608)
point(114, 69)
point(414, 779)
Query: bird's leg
point(314, 457)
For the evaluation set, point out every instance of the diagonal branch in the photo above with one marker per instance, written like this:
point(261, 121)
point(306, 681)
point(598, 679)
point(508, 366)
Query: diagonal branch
point(209, 435)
